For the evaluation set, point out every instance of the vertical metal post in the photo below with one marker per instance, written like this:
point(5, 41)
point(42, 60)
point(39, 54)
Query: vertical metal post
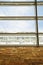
point(36, 23)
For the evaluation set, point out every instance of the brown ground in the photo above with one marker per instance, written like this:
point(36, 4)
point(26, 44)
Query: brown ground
point(21, 55)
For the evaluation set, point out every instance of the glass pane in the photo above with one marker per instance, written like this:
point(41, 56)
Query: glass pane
point(17, 10)
point(39, 0)
point(40, 10)
point(18, 39)
point(16, 0)
point(41, 40)
point(15, 26)
point(40, 25)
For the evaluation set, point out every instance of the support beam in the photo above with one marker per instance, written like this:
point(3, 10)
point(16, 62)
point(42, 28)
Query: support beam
point(36, 23)
point(20, 3)
point(20, 17)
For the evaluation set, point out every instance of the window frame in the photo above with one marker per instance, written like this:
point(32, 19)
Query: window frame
point(23, 17)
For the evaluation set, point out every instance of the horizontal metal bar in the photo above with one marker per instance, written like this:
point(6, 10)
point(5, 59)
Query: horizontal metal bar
point(39, 3)
point(41, 33)
point(17, 18)
point(40, 17)
point(4, 46)
point(33, 33)
point(30, 33)
point(17, 3)
point(21, 17)
point(20, 3)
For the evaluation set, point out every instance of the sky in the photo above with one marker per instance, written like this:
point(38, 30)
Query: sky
point(14, 26)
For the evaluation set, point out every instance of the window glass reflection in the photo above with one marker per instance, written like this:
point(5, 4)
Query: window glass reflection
point(40, 25)
point(40, 10)
point(15, 26)
point(18, 40)
point(41, 40)
point(39, 0)
point(17, 11)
